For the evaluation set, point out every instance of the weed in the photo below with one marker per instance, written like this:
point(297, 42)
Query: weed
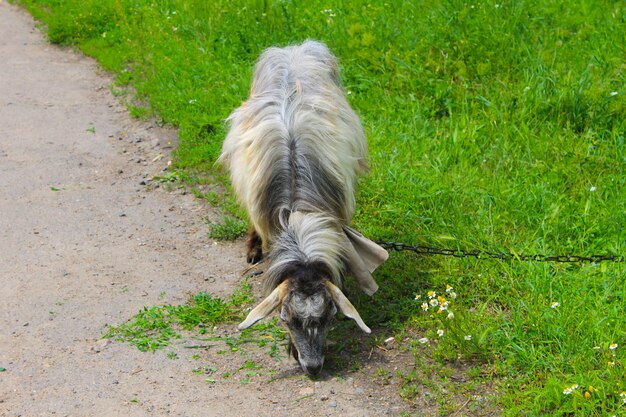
point(169, 177)
point(230, 229)
point(383, 373)
point(205, 370)
point(153, 327)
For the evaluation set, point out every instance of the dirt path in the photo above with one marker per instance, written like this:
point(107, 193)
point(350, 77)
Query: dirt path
point(83, 244)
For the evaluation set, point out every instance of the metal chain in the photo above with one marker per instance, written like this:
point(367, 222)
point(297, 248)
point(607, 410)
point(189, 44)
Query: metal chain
point(478, 254)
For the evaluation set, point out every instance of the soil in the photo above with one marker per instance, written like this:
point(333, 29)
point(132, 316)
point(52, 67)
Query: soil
point(85, 243)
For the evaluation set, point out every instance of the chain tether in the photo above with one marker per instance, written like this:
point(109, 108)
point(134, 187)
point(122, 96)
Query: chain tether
point(478, 254)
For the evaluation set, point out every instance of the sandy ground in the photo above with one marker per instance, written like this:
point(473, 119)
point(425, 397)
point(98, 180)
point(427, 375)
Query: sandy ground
point(84, 244)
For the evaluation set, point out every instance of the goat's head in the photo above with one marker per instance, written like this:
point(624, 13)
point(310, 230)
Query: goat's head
point(308, 302)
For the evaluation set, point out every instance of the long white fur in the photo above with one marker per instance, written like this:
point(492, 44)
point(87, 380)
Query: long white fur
point(308, 238)
point(297, 124)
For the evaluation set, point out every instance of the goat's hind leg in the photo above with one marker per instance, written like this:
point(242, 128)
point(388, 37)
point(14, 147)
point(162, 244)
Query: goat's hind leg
point(254, 247)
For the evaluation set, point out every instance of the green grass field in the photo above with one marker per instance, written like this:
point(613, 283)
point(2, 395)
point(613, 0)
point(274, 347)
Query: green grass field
point(496, 126)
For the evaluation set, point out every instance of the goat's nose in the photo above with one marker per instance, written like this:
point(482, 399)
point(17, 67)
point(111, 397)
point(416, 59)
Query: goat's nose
point(314, 370)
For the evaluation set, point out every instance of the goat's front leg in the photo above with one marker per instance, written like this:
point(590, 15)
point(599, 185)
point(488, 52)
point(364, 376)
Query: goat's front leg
point(254, 247)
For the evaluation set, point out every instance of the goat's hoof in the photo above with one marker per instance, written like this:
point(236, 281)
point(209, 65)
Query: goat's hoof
point(254, 257)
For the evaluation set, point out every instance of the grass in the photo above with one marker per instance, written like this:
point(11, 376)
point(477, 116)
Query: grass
point(154, 327)
point(230, 229)
point(495, 126)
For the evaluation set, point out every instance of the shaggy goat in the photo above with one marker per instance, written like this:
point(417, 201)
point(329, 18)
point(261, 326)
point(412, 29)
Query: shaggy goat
point(294, 151)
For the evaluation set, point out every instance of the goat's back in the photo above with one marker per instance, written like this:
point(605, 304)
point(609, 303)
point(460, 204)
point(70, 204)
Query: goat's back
point(295, 144)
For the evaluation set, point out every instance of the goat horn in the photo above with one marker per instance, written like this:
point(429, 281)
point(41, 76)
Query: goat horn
point(345, 306)
point(265, 307)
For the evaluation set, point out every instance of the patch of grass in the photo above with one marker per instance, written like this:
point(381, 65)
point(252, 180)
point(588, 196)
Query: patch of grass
point(154, 327)
point(495, 126)
point(265, 335)
point(169, 177)
point(230, 229)
point(248, 370)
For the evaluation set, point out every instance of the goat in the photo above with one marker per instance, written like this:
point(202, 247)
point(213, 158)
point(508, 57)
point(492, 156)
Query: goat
point(294, 150)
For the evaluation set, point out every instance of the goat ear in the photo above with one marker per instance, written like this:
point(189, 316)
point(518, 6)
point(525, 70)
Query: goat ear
point(265, 307)
point(345, 306)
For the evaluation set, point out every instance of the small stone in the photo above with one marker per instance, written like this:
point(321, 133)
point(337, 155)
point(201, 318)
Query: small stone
point(333, 404)
point(307, 391)
point(324, 398)
point(359, 391)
